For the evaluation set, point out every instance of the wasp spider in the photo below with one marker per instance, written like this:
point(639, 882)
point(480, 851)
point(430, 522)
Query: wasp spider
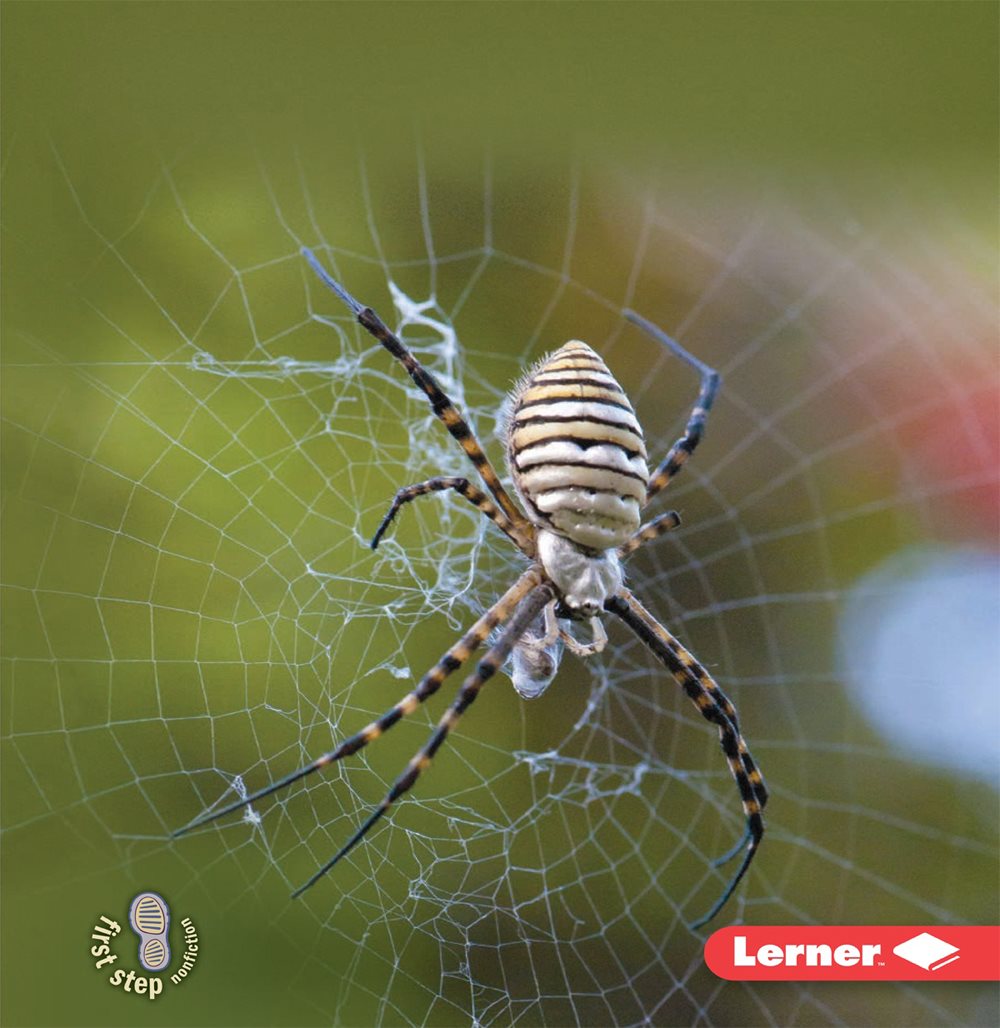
point(576, 454)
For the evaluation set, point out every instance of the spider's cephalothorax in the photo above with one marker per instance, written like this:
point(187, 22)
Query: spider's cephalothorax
point(576, 454)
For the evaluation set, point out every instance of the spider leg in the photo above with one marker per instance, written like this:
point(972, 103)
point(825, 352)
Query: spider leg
point(427, 686)
point(660, 525)
point(487, 667)
point(684, 447)
point(714, 707)
point(742, 841)
point(441, 404)
point(461, 486)
point(598, 640)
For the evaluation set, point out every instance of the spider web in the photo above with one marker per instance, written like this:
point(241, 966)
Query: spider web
point(198, 468)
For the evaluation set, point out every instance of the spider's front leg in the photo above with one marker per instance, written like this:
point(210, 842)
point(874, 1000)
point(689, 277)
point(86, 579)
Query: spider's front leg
point(491, 661)
point(715, 707)
point(428, 685)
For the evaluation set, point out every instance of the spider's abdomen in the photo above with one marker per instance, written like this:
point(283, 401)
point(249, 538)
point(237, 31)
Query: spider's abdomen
point(575, 449)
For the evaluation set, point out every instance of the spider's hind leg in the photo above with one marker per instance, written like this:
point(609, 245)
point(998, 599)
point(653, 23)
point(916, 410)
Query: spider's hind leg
point(519, 528)
point(695, 428)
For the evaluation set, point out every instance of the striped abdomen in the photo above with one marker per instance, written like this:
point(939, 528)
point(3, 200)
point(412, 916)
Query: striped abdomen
point(575, 449)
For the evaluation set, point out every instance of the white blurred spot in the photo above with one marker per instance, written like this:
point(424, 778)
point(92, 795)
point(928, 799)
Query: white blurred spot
point(920, 653)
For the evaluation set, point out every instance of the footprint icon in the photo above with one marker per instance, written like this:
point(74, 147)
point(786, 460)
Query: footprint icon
point(149, 916)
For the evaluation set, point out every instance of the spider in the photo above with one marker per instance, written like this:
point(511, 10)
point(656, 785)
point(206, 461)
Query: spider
point(576, 455)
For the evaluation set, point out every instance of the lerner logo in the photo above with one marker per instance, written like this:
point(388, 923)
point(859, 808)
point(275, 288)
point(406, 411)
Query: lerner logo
point(149, 919)
point(801, 954)
point(927, 951)
point(761, 953)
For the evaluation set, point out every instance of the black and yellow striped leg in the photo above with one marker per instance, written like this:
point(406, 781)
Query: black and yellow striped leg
point(691, 668)
point(475, 496)
point(699, 684)
point(652, 530)
point(487, 667)
point(685, 446)
point(715, 707)
point(498, 614)
point(441, 404)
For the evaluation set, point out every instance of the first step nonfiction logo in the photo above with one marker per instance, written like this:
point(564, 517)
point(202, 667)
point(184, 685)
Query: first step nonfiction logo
point(851, 953)
point(149, 917)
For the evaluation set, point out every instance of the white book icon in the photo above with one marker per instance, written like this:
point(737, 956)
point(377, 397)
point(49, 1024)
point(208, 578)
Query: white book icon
point(927, 951)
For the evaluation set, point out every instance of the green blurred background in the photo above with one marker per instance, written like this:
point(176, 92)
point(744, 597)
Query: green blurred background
point(818, 181)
